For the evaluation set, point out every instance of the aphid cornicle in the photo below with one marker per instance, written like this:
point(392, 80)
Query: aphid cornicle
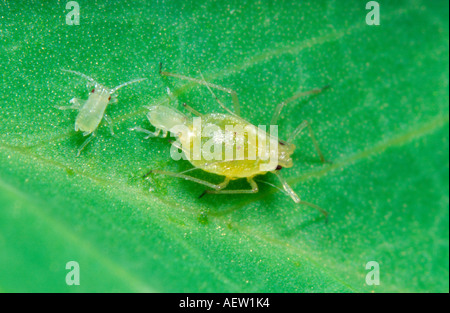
point(165, 118)
point(92, 111)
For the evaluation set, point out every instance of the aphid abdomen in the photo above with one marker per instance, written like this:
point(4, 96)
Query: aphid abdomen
point(231, 169)
point(165, 118)
point(91, 114)
point(229, 147)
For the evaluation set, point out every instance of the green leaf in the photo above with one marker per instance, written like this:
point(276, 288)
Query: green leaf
point(383, 123)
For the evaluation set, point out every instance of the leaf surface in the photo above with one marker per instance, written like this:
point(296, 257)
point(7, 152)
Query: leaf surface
point(383, 123)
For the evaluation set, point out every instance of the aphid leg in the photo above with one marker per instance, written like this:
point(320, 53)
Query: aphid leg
point(287, 188)
point(76, 105)
point(296, 198)
point(300, 128)
point(233, 97)
point(316, 207)
point(85, 143)
point(176, 144)
point(250, 180)
point(281, 105)
point(190, 178)
point(110, 124)
point(202, 81)
point(146, 131)
point(191, 109)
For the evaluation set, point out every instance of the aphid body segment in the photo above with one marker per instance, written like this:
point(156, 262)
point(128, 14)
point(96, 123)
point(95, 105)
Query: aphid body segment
point(165, 118)
point(92, 111)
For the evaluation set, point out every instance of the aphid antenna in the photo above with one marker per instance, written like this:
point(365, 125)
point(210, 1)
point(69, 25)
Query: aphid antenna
point(126, 84)
point(90, 79)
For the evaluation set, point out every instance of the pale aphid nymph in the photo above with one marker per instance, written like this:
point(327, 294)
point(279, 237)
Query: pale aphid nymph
point(92, 111)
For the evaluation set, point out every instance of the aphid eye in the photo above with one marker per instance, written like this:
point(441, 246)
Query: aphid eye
point(281, 143)
point(109, 98)
point(93, 90)
point(279, 167)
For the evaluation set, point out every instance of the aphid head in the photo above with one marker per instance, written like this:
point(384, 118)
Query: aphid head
point(285, 150)
point(100, 90)
point(165, 118)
